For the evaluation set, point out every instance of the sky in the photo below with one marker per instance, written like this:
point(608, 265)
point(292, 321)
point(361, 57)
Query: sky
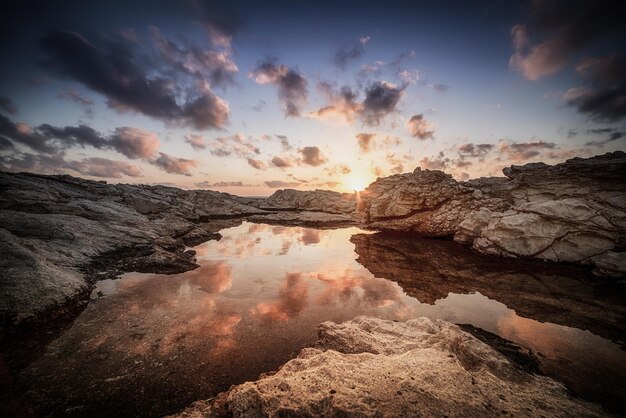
point(249, 97)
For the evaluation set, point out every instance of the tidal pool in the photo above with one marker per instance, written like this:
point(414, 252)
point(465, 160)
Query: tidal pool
point(150, 344)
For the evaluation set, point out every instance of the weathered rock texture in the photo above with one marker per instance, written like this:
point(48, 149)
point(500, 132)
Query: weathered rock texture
point(315, 201)
point(58, 233)
point(374, 367)
point(429, 270)
point(571, 212)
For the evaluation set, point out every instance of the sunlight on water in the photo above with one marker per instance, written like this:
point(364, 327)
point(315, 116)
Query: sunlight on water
point(255, 301)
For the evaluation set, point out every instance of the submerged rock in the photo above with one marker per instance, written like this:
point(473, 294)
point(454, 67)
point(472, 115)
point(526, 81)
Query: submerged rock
point(375, 367)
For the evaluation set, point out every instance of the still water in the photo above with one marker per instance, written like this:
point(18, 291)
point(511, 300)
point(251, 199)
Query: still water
point(151, 344)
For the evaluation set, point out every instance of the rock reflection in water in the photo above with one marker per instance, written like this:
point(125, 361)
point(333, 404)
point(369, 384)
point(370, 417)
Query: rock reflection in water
point(154, 343)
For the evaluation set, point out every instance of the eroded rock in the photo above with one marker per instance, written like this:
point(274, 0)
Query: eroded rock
point(374, 367)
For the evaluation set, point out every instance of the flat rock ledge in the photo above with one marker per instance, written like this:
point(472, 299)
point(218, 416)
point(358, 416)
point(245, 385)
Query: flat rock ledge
point(370, 367)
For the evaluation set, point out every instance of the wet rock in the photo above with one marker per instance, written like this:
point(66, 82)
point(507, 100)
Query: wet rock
point(58, 232)
point(375, 367)
point(429, 270)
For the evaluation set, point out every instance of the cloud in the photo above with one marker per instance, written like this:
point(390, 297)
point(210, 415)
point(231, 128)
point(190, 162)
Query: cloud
point(258, 164)
point(103, 167)
point(613, 135)
point(276, 184)
point(215, 67)
point(474, 150)
point(281, 162)
point(5, 144)
point(603, 98)
point(174, 165)
point(219, 19)
point(523, 151)
point(236, 144)
point(440, 162)
point(284, 143)
point(568, 27)
point(197, 142)
point(7, 106)
point(292, 86)
point(312, 156)
point(365, 141)
point(292, 299)
point(134, 82)
point(206, 184)
point(56, 164)
point(381, 99)
point(23, 134)
point(420, 128)
point(441, 88)
point(348, 53)
point(338, 169)
point(135, 143)
point(74, 96)
point(343, 104)
point(397, 164)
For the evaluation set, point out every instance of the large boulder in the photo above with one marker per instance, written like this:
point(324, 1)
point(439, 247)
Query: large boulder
point(374, 367)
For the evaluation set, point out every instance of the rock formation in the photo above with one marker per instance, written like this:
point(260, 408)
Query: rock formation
point(571, 212)
point(429, 270)
point(374, 367)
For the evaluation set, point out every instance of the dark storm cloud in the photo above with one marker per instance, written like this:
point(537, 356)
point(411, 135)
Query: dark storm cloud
point(174, 165)
point(292, 86)
point(131, 82)
point(569, 26)
point(381, 98)
point(603, 98)
point(420, 128)
point(7, 106)
point(351, 52)
point(5, 144)
point(312, 156)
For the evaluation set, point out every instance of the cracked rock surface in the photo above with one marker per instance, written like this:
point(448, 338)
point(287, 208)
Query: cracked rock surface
point(571, 212)
point(374, 367)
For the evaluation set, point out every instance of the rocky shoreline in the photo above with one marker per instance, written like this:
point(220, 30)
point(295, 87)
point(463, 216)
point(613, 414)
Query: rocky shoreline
point(61, 234)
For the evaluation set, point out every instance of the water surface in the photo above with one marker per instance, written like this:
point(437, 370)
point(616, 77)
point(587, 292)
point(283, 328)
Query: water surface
point(152, 344)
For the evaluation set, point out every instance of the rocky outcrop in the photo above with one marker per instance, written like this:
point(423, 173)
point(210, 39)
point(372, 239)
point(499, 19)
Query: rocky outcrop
point(314, 201)
point(374, 367)
point(571, 212)
point(58, 234)
point(429, 270)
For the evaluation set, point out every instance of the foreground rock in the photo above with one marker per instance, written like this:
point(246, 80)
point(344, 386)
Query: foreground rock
point(59, 234)
point(571, 212)
point(375, 367)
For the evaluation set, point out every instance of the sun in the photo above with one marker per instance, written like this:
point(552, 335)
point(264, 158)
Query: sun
point(356, 183)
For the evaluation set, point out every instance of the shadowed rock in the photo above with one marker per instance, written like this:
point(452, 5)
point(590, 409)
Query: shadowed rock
point(430, 269)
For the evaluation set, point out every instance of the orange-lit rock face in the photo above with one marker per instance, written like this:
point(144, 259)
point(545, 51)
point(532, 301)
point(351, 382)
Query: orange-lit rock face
point(259, 294)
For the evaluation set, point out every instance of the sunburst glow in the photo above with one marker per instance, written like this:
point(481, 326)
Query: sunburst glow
point(356, 183)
